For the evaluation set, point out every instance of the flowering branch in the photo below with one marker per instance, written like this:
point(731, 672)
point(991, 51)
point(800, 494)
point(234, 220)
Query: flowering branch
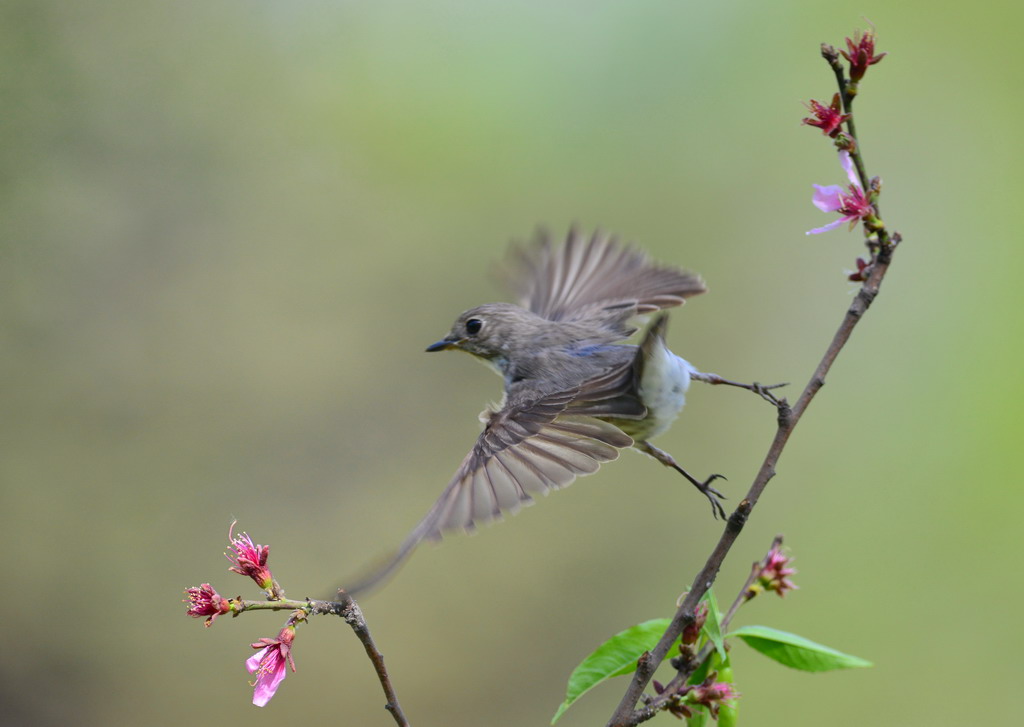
point(860, 54)
point(770, 574)
point(273, 658)
point(881, 245)
point(758, 572)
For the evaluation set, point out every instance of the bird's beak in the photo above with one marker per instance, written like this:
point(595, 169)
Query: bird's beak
point(442, 345)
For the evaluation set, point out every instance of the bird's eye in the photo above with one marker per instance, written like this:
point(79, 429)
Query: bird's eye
point(473, 326)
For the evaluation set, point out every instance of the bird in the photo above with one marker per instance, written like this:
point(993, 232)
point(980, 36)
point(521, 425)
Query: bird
point(575, 395)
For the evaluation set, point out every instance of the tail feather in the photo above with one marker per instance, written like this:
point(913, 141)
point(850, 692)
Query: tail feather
point(379, 573)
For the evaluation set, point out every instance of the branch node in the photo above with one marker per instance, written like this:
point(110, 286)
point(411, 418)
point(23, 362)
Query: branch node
point(867, 295)
point(785, 415)
point(739, 518)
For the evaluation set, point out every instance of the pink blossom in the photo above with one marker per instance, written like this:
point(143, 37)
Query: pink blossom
point(268, 664)
point(860, 52)
point(775, 574)
point(852, 204)
point(827, 118)
point(204, 601)
point(250, 560)
point(712, 695)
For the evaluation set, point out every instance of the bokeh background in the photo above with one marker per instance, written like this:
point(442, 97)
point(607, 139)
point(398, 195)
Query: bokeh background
point(229, 230)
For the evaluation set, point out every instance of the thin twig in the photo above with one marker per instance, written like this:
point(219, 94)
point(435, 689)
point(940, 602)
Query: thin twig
point(353, 616)
point(847, 94)
point(755, 571)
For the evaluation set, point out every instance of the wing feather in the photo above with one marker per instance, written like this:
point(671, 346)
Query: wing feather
point(525, 450)
point(581, 278)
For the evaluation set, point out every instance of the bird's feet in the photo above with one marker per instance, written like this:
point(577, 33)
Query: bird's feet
point(765, 392)
point(709, 492)
point(705, 487)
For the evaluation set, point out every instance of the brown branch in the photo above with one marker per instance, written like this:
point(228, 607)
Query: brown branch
point(689, 662)
point(788, 418)
point(353, 616)
point(882, 246)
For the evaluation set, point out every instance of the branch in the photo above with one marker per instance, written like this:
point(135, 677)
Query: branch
point(353, 616)
point(688, 662)
point(787, 421)
point(882, 245)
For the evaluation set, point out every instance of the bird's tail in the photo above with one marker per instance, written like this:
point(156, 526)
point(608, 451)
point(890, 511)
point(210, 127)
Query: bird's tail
point(377, 574)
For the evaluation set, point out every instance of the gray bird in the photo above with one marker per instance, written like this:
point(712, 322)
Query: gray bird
point(574, 395)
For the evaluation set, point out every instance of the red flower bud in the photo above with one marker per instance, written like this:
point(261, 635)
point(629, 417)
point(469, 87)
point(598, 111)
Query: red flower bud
point(692, 631)
point(860, 275)
point(775, 574)
point(829, 118)
point(860, 53)
point(250, 560)
point(204, 601)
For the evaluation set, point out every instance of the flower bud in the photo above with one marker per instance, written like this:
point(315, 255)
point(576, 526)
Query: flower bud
point(204, 601)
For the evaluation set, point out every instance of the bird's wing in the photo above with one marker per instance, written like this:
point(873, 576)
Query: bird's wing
point(582, 278)
point(529, 447)
point(533, 446)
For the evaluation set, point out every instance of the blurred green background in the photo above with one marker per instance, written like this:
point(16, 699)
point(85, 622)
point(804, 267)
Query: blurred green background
point(229, 229)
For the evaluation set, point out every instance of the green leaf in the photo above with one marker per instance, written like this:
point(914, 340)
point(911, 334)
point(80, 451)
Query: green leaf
point(796, 651)
point(713, 624)
point(728, 714)
point(616, 656)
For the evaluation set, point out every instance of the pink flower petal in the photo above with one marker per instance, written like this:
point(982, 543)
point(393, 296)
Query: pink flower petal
point(826, 228)
point(253, 662)
point(269, 666)
point(828, 199)
point(851, 172)
point(267, 684)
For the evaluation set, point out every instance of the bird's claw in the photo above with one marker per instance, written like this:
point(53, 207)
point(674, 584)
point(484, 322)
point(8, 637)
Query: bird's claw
point(765, 392)
point(711, 493)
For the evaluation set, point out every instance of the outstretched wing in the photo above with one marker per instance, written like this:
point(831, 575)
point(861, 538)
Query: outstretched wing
point(581, 278)
point(526, 449)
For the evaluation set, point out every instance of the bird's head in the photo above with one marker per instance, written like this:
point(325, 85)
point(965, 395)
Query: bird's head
point(493, 332)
